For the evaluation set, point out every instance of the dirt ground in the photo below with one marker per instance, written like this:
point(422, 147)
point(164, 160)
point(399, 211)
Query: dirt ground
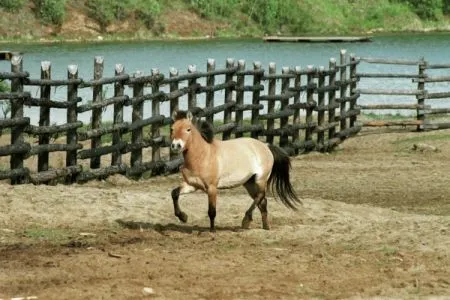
point(375, 224)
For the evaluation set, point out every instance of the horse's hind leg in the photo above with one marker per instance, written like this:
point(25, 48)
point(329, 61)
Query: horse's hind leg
point(257, 192)
point(183, 189)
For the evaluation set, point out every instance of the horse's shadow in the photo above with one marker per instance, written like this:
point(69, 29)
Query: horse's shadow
point(163, 228)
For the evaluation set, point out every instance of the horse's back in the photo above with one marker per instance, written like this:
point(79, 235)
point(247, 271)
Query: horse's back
point(240, 159)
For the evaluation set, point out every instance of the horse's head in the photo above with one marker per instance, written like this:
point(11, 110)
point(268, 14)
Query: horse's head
point(181, 130)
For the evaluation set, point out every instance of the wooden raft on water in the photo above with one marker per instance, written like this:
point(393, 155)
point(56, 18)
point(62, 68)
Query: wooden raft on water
point(317, 39)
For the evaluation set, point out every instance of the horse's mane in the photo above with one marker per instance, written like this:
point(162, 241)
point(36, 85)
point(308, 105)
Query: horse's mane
point(205, 128)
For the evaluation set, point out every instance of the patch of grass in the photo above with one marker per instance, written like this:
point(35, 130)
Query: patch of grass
point(389, 251)
point(53, 235)
point(396, 116)
point(422, 138)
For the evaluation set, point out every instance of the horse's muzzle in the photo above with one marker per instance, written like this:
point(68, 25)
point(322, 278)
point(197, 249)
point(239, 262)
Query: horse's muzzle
point(177, 145)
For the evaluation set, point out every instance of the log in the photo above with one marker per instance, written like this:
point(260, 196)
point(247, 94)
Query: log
point(15, 149)
point(6, 123)
point(381, 123)
point(72, 117)
point(16, 173)
point(115, 128)
point(85, 176)
point(46, 148)
point(39, 130)
point(52, 174)
point(98, 152)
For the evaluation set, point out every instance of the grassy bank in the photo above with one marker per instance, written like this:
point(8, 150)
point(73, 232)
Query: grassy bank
point(61, 20)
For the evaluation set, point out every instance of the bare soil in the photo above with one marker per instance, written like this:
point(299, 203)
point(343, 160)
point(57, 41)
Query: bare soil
point(375, 223)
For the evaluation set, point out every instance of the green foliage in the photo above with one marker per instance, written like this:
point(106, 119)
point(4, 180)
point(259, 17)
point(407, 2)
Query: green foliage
point(215, 8)
point(147, 11)
point(51, 11)
point(12, 5)
point(5, 106)
point(427, 9)
point(109, 11)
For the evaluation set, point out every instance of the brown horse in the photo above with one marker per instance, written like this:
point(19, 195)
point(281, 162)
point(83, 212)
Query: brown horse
point(211, 164)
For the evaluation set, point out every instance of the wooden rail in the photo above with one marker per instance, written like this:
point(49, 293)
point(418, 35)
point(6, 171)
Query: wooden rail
point(264, 105)
point(419, 96)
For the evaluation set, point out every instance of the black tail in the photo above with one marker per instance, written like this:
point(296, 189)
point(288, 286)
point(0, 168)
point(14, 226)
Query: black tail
point(279, 178)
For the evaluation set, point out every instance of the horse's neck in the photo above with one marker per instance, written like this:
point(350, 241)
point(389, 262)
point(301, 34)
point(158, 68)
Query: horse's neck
point(198, 151)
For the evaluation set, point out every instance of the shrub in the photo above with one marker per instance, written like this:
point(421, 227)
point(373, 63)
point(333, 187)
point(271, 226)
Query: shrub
point(12, 5)
point(51, 11)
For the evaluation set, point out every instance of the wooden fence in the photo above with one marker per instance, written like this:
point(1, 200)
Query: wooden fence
point(300, 109)
point(419, 97)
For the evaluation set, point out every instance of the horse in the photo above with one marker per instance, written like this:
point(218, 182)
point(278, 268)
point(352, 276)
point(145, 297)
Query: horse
point(211, 164)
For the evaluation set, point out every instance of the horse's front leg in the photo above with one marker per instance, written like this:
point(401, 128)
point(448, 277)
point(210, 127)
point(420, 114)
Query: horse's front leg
point(184, 188)
point(212, 196)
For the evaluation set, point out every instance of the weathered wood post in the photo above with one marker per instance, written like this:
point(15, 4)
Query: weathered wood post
point(353, 86)
point(320, 108)
point(137, 113)
point(255, 96)
point(421, 97)
point(72, 117)
point(17, 138)
point(343, 90)
point(44, 116)
point(192, 83)
point(332, 98)
point(174, 102)
point(210, 80)
point(240, 83)
point(228, 98)
point(310, 104)
point(271, 102)
point(297, 95)
point(156, 151)
point(284, 137)
point(97, 96)
point(119, 89)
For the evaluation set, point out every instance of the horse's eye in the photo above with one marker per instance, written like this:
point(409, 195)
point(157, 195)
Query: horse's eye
point(188, 130)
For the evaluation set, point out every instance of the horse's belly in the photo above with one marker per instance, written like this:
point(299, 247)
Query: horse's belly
point(230, 180)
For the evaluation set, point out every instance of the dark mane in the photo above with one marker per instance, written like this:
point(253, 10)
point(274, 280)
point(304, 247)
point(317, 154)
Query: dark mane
point(205, 128)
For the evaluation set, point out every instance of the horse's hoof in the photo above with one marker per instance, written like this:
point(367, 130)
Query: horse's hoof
point(183, 217)
point(266, 227)
point(246, 223)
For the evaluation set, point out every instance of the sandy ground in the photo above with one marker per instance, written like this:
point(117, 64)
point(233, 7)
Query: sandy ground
point(375, 224)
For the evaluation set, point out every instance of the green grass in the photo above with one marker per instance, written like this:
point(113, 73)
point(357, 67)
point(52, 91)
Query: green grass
point(423, 138)
point(52, 235)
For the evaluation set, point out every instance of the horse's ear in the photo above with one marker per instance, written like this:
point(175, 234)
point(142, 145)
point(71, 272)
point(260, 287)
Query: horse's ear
point(189, 116)
point(174, 115)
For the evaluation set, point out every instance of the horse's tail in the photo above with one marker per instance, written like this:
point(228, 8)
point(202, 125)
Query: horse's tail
point(279, 178)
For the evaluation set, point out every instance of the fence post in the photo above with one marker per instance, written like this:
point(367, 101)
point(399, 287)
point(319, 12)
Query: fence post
point(17, 138)
point(343, 90)
point(192, 83)
point(97, 96)
point(332, 98)
point(72, 117)
point(44, 116)
point(255, 96)
point(119, 88)
point(296, 119)
point(240, 83)
point(421, 98)
point(173, 101)
point(228, 98)
point(310, 104)
point(284, 137)
point(320, 111)
point(353, 86)
point(210, 80)
point(136, 115)
point(271, 103)
point(156, 152)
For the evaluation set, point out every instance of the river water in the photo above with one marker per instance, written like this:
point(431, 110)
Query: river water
point(143, 56)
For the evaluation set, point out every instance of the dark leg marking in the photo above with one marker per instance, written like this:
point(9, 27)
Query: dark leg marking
point(175, 196)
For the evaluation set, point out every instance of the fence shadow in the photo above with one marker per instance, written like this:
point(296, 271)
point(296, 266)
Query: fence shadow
point(162, 228)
